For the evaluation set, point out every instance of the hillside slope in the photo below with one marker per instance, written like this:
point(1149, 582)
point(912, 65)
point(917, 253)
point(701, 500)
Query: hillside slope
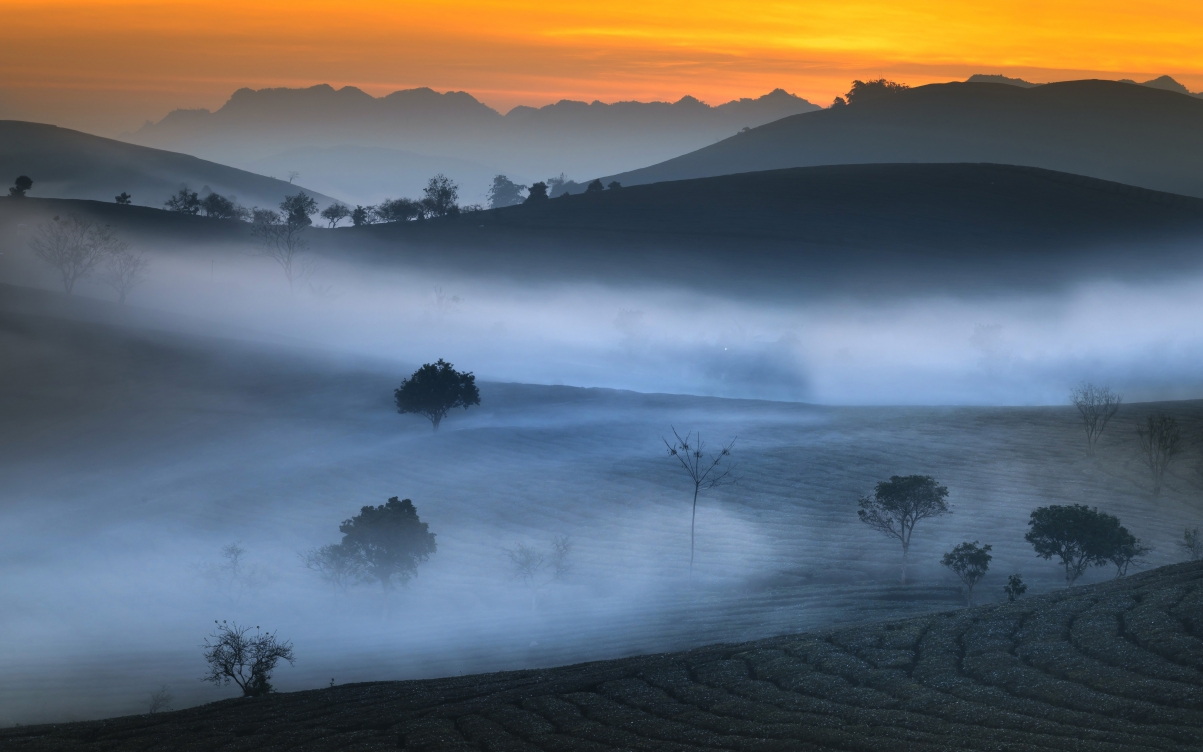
point(1111, 130)
point(68, 164)
point(1108, 667)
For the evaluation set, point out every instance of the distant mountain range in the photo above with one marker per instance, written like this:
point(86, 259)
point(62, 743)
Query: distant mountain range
point(1161, 82)
point(292, 126)
point(1143, 135)
point(68, 164)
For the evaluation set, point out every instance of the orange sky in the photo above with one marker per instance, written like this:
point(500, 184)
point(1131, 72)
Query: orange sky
point(105, 65)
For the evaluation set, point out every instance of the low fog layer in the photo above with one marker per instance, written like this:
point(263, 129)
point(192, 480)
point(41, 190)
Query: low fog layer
point(834, 348)
point(220, 407)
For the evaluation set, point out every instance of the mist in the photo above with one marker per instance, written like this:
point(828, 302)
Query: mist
point(221, 407)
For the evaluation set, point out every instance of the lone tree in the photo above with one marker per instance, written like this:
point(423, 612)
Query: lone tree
point(217, 206)
point(335, 213)
point(536, 193)
point(1097, 405)
point(1015, 587)
point(387, 543)
point(595, 186)
point(504, 192)
point(898, 504)
point(74, 247)
point(537, 569)
point(123, 271)
point(969, 561)
point(703, 470)
point(298, 208)
point(123, 198)
point(1126, 549)
point(282, 239)
point(21, 185)
point(184, 202)
point(1192, 544)
point(235, 655)
point(361, 215)
point(434, 389)
point(1160, 441)
point(440, 197)
point(1079, 536)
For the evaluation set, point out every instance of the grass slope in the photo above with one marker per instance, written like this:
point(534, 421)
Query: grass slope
point(1111, 667)
point(1105, 129)
point(69, 164)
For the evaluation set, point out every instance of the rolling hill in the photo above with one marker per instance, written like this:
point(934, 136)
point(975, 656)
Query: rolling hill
point(1125, 132)
point(68, 164)
point(853, 229)
point(1093, 669)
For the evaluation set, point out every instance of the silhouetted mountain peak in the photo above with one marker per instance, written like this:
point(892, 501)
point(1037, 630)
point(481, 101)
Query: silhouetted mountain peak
point(1163, 82)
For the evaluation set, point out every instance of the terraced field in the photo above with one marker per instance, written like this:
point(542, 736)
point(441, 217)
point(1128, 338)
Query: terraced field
point(1115, 666)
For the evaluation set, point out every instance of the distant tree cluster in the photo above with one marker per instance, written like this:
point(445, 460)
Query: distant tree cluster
point(440, 198)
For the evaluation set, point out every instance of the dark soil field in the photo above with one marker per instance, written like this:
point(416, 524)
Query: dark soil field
point(1116, 666)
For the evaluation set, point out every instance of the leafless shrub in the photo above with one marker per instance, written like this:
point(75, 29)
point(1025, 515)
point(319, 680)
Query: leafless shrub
point(123, 271)
point(160, 700)
point(537, 569)
point(234, 654)
point(1160, 441)
point(1192, 544)
point(1097, 406)
point(283, 241)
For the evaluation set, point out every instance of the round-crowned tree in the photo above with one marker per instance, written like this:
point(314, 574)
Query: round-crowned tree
point(387, 542)
point(435, 389)
point(898, 504)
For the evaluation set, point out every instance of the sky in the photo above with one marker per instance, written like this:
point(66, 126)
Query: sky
point(108, 65)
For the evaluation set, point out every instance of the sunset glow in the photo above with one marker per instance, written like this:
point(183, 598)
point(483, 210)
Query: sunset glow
point(77, 59)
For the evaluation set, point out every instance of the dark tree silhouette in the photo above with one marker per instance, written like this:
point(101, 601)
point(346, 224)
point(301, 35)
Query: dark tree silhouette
point(218, 206)
point(504, 192)
point(184, 202)
point(1079, 536)
point(399, 210)
point(434, 389)
point(614, 185)
point(1192, 543)
point(235, 655)
point(298, 209)
point(1126, 549)
point(864, 91)
point(595, 186)
point(282, 239)
point(124, 199)
point(440, 197)
point(898, 504)
point(537, 192)
point(21, 186)
point(1097, 406)
point(335, 213)
point(361, 215)
point(1015, 587)
point(1160, 442)
point(387, 542)
point(970, 562)
point(123, 271)
point(703, 471)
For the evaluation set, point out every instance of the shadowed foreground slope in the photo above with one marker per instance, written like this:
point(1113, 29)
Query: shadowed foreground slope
point(1103, 667)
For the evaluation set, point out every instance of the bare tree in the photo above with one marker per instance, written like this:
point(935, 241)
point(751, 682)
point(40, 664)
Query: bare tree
point(898, 504)
point(123, 271)
point(444, 303)
point(234, 654)
point(160, 700)
point(1097, 405)
point(233, 576)
point(703, 471)
point(1192, 544)
point(1160, 441)
point(536, 569)
point(75, 247)
point(282, 240)
point(334, 565)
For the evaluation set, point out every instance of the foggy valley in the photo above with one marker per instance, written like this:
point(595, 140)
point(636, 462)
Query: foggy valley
point(200, 391)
